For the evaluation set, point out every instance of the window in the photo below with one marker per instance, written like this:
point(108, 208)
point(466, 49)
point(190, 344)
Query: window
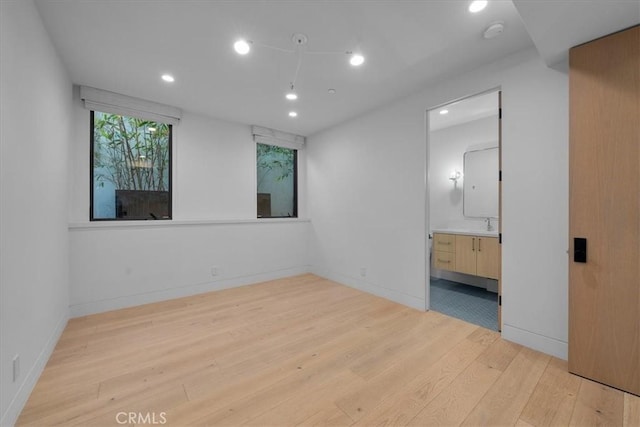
point(130, 168)
point(277, 170)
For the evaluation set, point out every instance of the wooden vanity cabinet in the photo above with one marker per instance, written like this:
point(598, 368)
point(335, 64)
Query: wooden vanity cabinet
point(444, 251)
point(488, 257)
point(468, 254)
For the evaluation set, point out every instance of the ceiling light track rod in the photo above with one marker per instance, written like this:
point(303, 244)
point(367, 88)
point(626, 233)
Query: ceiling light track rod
point(243, 47)
point(279, 49)
point(319, 52)
point(295, 76)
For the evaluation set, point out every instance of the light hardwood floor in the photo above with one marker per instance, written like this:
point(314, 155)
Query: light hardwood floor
point(306, 351)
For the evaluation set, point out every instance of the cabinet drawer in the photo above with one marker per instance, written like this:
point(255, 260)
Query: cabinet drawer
point(444, 260)
point(444, 242)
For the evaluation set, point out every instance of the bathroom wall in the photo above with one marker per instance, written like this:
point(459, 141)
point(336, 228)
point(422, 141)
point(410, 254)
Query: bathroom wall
point(446, 152)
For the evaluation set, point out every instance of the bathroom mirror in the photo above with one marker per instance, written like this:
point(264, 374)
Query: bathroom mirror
point(480, 199)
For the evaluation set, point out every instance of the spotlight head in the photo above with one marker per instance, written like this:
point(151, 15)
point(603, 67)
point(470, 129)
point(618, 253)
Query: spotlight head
point(477, 5)
point(356, 60)
point(242, 47)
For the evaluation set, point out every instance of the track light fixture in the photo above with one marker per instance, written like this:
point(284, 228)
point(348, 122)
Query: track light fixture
point(299, 40)
point(291, 95)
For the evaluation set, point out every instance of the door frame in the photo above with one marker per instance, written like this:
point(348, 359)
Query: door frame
point(498, 90)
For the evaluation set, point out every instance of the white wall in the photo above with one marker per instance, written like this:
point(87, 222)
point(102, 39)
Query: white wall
point(446, 153)
point(35, 130)
point(368, 203)
point(366, 189)
point(122, 264)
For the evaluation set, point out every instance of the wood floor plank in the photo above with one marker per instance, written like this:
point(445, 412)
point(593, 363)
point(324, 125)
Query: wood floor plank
point(301, 407)
point(402, 406)
point(631, 414)
point(304, 351)
point(597, 404)
point(326, 417)
point(154, 401)
point(554, 398)
point(455, 402)
point(344, 337)
point(315, 359)
point(504, 402)
point(393, 379)
point(500, 355)
point(45, 401)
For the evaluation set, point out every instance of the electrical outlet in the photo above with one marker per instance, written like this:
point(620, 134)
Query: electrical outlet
point(215, 271)
point(16, 367)
point(363, 271)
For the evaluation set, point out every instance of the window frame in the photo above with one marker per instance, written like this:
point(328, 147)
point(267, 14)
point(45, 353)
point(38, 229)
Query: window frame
point(91, 171)
point(295, 177)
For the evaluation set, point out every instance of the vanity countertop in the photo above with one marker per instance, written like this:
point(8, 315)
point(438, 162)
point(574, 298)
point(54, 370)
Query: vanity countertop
point(483, 233)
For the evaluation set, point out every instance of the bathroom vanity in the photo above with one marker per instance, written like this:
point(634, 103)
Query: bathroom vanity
point(474, 253)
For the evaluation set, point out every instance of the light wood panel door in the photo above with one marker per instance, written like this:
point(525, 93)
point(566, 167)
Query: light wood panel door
point(604, 292)
point(488, 257)
point(466, 254)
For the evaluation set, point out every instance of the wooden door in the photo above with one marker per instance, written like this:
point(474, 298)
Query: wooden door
point(488, 257)
point(466, 254)
point(604, 203)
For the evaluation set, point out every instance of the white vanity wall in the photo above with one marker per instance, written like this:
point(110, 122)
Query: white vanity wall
point(446, 151)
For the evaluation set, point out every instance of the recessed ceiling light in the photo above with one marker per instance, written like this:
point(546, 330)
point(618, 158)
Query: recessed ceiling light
point(291, 96)
point(356, 60)
point(168, 78)
point(477, 5)
point(293, 114)
point(242, 47)
point(443, 112)
point(331, 91)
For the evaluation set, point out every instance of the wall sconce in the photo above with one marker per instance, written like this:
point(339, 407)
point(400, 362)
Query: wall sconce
point(455, 176)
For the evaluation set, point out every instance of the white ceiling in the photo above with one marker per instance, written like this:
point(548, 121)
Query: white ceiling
point(124, 47)
point(556, 26)
point(465, 110)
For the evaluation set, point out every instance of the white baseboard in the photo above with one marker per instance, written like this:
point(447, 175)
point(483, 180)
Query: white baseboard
point(548, 345)
point(390, 294)
point(93, 307)
point(12, 413)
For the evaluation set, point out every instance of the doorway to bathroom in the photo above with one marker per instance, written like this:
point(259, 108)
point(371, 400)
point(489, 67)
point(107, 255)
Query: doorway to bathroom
point(464, 146)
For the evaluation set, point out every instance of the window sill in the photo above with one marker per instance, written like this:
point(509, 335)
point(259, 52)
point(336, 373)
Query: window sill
point(177, 223)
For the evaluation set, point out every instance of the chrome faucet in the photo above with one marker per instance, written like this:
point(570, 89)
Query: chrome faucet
point(489, 226)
